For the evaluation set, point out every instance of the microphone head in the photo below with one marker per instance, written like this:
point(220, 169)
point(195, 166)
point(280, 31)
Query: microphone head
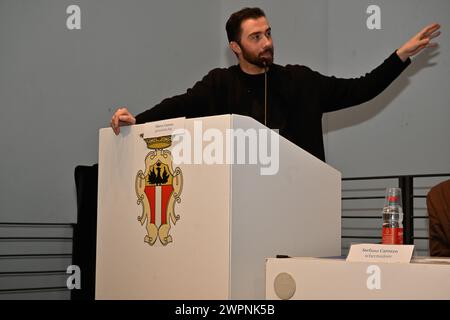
point(266, 57)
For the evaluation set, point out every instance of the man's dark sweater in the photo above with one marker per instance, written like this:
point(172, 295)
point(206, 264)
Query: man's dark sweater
point(297, 97)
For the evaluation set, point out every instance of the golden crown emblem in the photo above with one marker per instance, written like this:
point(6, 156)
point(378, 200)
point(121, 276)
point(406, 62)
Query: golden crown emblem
point(158, 142)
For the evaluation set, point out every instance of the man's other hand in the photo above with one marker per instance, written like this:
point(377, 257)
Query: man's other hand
point(419, 42)
point(122, 117)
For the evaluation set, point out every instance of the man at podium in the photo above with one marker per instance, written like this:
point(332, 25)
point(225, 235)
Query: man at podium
point(290, 98)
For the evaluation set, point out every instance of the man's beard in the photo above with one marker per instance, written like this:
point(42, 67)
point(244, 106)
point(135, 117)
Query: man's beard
point(261, 60)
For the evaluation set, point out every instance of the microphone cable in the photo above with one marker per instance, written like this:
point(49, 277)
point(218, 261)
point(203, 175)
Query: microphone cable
point(265, 93)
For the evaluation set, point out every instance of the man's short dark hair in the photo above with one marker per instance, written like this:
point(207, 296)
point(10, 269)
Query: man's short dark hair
point(233, 25)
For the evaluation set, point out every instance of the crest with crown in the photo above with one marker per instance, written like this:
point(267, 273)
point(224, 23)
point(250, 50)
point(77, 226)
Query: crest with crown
point(158, 188)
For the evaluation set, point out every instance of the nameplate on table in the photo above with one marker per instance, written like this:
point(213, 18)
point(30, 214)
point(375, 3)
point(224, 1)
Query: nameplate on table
point(164, 128)
point(380, 253)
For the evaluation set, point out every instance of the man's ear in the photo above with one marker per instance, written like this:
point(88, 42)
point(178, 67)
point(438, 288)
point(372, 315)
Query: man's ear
point(235, 47)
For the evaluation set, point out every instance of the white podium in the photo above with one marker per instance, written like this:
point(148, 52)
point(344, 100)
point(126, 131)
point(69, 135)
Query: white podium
point(202, 230)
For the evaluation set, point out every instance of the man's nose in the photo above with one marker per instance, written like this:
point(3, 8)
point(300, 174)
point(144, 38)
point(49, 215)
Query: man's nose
point(267, 42)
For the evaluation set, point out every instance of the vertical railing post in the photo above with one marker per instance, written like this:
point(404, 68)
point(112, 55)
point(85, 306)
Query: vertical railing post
point(406, 184)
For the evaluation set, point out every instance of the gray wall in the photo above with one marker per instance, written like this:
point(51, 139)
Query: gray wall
point(59, 86)
point(404, 130)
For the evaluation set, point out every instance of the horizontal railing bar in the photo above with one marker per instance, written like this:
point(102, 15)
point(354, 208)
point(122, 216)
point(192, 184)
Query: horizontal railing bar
point(33, 289)
point(377, 217)
point(399, 176)
point(361, 217)
point(38, 223)
point(35, 255)
point(36, 238)
point(363, 198)
point(10, 273)
point(359, 237)
point(369, 178)
point(435, 175)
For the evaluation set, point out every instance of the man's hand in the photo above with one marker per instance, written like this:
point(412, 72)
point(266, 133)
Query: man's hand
point(419, 42)
point(122, 117)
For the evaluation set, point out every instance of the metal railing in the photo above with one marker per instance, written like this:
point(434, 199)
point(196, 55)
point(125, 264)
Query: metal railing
point(406, 183)
point(38, 271)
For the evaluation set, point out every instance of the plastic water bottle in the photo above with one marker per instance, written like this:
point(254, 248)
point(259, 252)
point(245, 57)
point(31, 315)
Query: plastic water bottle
point(393, 217)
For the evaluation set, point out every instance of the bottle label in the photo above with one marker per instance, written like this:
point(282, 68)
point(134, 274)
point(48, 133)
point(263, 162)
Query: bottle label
point(392, 199)
point(392, 236)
